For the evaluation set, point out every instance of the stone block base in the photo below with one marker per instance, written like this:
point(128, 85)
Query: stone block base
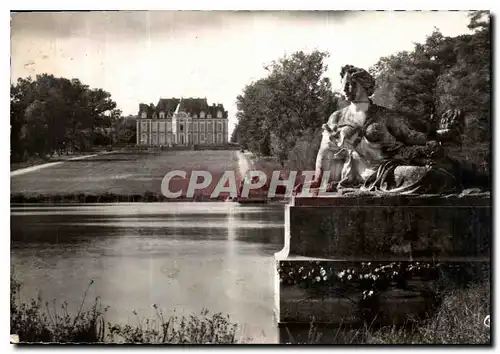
point(334, 294)
point(386, 260)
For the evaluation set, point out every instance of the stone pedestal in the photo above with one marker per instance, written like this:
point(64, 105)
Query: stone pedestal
point(376, 259)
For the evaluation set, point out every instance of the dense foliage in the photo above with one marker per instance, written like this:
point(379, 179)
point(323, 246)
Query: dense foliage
point(441, 74)
point(50, 114)
point(287, 105)
point(282, 113)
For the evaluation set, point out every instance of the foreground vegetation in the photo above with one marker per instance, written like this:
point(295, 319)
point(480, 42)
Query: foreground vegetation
point(459, 320)
point(39, 321)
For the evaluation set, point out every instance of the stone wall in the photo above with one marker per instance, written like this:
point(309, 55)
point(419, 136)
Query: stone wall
point(352, 260)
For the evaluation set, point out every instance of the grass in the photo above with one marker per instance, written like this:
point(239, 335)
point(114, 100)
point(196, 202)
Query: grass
point(40, 322)
point(122, 173)
point(38, 160)
point(458, 320)
point(201, 329)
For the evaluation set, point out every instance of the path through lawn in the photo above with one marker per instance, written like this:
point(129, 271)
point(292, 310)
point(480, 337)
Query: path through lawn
point(122, 173)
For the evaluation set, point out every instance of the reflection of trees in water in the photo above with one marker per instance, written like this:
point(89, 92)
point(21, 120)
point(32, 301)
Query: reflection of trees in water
point(262, 234)
point(261, 225)
point(57, 228)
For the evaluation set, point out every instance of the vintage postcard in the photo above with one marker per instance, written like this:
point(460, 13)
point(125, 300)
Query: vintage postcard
point(250, 177)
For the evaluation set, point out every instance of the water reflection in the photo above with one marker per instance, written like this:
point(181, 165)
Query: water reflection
point(186, 256)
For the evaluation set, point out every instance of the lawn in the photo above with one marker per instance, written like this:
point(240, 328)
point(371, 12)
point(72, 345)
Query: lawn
point(122, 173)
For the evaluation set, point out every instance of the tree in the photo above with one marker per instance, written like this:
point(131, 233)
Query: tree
point(292, 101)
point(467, 86)
point(235, 135)
point(407, 81)
point(253, 112)
point(51, 114)
point(440, 74)
point(21, 95)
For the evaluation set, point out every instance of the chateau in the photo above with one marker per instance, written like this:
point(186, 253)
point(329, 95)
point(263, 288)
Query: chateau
point(184, 121)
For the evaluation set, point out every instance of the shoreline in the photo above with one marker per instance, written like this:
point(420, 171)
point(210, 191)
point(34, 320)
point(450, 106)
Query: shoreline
point(110, 198)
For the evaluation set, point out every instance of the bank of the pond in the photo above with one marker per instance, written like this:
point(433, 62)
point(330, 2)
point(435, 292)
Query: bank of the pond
point(462, 318)
point(38, 321)
point(81, 198)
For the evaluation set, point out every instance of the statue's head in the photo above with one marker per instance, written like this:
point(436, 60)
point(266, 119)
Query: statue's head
point(357, 83)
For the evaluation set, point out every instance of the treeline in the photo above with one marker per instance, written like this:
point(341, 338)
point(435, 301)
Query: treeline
point(280, 115)
point(287, 106)
point(56, 115)
point(440, 74)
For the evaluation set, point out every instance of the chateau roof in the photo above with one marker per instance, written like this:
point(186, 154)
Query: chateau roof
point(188, 105)
point(168, 105)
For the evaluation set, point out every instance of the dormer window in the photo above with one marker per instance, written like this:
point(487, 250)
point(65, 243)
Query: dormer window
point(195, 115)
point(219, 114)
point(162, 114)
point(144, 115)
point(202, 114)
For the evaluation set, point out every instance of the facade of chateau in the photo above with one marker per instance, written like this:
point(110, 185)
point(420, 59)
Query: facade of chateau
point(184, 121)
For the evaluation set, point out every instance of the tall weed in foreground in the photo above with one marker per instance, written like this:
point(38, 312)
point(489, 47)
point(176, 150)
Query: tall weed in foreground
point(460, 319)
point(37, 321)
point(203, 329)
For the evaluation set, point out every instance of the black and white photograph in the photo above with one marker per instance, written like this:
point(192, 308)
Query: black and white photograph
point(251, 177)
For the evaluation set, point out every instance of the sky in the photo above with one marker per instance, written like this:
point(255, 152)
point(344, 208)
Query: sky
point(140, 56)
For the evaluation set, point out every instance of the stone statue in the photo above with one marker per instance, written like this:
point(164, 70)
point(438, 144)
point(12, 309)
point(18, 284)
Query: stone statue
point(372, 148)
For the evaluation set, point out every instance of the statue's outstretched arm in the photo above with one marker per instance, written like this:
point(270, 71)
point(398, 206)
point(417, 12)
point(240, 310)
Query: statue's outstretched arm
point(403, 133)
point(448, 129)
